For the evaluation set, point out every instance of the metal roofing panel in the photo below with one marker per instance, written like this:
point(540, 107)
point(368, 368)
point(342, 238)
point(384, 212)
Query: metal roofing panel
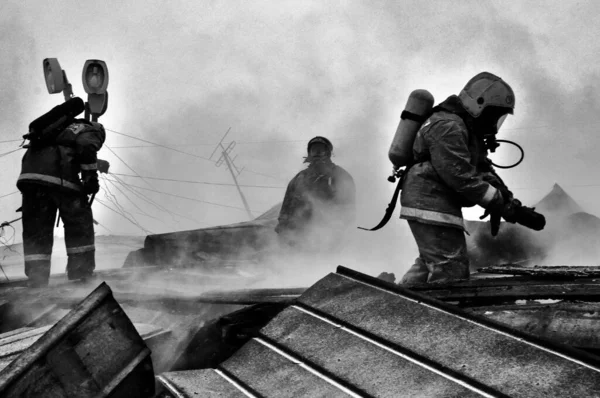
point(373, 368)
point(268, 373)
point(94, 350)
point(198, 383)
point(481, 350)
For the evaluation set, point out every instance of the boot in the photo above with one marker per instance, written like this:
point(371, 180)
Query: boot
point(35, 282)
point(38, 273)
point(80, 266)
point(418, 273)
point(448, 272)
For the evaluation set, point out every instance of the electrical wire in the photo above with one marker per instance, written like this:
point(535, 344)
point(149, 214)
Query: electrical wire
point(199, 182)
point(126, 165)
point(161, 145)
point(8, 194)
point(113, 199)
point(125, 217)
point(192, 199)
point(9, 152)
point(131, 201)
point(182, 152)
point(157, 205)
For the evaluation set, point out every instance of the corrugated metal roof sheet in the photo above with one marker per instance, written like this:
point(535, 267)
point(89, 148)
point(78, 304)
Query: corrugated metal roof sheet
point(93, 351)
point(351, 334)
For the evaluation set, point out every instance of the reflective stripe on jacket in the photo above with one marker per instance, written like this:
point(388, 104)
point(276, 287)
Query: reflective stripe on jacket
point(449, 173)
point(59, 165)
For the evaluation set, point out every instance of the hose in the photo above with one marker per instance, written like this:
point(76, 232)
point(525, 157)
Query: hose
point(518, 162)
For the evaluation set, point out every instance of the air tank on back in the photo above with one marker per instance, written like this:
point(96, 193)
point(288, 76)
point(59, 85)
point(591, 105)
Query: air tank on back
point(417, 110)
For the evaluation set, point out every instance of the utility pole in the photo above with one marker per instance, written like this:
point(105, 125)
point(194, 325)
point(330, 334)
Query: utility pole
point(232, 168)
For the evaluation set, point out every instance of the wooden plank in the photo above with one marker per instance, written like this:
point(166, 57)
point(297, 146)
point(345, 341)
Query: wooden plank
point(586, 291)
point(575, 324)
point(559, 271)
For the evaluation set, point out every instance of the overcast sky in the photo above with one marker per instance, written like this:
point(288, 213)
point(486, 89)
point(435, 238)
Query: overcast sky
point(280, 72)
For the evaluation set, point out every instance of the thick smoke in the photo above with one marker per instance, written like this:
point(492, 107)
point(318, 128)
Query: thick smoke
point(280, 74)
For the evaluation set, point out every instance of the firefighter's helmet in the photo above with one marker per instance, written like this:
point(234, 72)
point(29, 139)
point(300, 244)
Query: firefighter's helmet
point(321, 140)
point(485, 90)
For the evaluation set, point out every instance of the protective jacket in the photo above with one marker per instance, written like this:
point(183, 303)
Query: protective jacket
point(451, 169)
point(58, 165)
point(317, 193)
point(50, 183)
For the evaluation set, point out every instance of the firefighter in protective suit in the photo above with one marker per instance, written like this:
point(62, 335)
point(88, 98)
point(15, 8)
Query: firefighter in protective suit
point(319, 203)
point(50, 183)
point(451, 170)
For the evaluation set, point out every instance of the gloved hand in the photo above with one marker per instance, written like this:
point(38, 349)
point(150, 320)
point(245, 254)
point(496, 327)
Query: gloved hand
point(89, 179)
point(103, 166)
point(494, 209)
point(497, 183)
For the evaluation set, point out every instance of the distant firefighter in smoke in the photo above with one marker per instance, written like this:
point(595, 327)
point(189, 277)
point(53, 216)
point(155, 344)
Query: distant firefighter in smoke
point(319, 203)
point(451, 170)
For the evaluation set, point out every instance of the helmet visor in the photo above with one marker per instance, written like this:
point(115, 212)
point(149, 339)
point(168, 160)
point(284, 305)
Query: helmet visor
point(500, 121)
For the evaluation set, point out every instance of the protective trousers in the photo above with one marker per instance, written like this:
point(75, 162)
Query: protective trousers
point(442, 254)
point(40, 206)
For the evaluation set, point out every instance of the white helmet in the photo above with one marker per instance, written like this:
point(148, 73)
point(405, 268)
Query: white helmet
point(485, 90)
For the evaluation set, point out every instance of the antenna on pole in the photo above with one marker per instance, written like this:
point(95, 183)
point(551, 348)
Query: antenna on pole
point(224, 158)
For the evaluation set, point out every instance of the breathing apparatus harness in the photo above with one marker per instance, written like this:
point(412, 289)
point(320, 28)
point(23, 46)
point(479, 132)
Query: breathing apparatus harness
point(398, 173)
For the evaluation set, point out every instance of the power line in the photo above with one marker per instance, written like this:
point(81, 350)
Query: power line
point(182, 152)
point(185, 197)
point(126, 165)
point(122, 215)
point(162, 146)
point(127, 197)
point(8, 194)
point(152, 202)
point(2, 142)
point(9, 152)
point(113, 199)
point(199, 182)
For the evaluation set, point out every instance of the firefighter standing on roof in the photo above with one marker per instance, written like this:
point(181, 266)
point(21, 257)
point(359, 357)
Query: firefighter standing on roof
point(319, 203)
point(50, 183)
point(451, 171)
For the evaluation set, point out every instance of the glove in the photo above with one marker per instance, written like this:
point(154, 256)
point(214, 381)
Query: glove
point(497, 183)
point(494, 209)
point(89, 179)
point(103, 166)
point(513, 212)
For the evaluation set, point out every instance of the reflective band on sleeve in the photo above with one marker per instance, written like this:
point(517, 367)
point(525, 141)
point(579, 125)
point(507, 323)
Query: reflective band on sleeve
point(489, 195)
point(49, 179)
point(38, 257)
point(90, 166)
point(80, 249)
point(433, 216)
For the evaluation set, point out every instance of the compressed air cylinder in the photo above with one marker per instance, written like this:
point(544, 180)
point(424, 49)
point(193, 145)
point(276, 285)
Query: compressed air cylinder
point(417, 109)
